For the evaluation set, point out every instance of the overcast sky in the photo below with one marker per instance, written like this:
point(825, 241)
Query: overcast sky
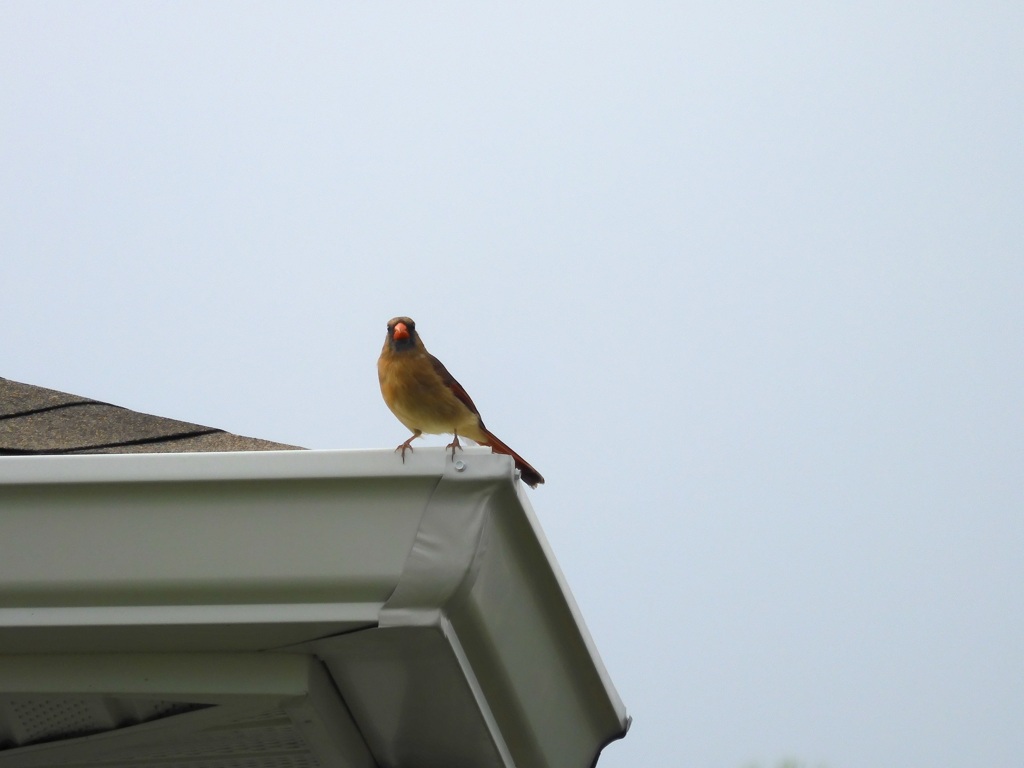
point(744, 281)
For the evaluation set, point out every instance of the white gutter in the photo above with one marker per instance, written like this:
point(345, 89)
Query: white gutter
point(426, 589)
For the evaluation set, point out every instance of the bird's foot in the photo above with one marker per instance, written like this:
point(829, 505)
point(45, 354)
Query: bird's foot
point(406, 446)
point(454, 444)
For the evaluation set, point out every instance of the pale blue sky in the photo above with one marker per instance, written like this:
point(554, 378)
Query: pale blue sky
point(744, 281)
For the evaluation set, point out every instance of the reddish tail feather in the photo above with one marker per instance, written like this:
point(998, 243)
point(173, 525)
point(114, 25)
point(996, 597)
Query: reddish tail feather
point(530, 476)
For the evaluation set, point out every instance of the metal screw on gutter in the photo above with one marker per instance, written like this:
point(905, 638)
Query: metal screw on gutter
point(460, 466)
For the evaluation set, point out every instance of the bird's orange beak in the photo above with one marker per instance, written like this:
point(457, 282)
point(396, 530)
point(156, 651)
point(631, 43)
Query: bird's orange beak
point(400, 332)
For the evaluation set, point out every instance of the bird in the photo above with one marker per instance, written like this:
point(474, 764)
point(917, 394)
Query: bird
point(427, 399)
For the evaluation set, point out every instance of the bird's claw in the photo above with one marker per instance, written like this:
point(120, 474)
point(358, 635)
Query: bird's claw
point(405, 447)
point(453, 445)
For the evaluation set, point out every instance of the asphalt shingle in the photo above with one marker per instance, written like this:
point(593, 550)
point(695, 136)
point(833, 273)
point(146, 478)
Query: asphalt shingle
point(35, 420)
point(17, 398)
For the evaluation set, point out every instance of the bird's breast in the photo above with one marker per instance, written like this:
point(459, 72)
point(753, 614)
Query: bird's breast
point(419, 398)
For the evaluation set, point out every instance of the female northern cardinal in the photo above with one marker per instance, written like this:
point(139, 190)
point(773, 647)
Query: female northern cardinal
point(426, 398)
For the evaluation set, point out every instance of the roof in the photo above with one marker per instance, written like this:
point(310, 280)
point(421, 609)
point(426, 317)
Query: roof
point(35, 420)
point(288, 609)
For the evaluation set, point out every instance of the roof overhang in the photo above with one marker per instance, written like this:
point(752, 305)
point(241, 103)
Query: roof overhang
point(358, 610)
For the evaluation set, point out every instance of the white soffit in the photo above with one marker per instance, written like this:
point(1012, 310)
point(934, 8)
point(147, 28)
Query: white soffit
point(380, 613)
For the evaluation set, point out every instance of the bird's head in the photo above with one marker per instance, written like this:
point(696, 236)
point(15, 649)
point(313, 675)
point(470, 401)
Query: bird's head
point(401, 333)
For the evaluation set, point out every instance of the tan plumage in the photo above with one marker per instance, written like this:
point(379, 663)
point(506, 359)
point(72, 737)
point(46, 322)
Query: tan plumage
point(426, 398)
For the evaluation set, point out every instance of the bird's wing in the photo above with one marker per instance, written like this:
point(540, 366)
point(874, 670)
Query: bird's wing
point(452, 384)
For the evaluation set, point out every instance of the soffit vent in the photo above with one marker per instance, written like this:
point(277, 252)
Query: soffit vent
point(33, 719)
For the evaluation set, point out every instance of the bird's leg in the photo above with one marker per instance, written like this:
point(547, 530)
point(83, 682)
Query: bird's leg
point(406, 445)
point(454, 444)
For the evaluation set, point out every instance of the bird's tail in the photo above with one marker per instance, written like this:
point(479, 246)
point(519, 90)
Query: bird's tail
point(530, 475)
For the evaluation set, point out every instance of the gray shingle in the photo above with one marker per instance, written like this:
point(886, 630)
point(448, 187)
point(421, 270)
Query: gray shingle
point(17, 398)
point(213, 442)
point(35, 420)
